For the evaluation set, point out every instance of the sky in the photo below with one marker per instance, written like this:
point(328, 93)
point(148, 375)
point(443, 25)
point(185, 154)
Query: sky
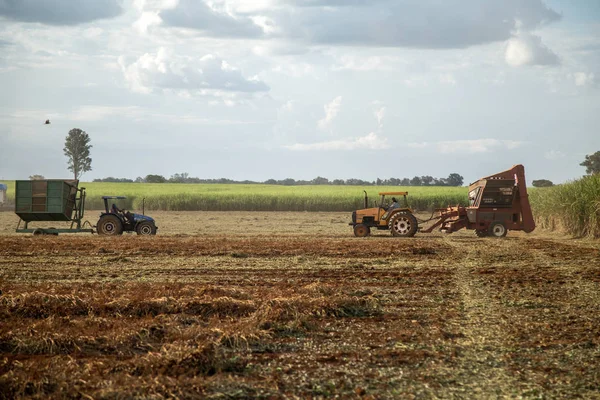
point(260, 89)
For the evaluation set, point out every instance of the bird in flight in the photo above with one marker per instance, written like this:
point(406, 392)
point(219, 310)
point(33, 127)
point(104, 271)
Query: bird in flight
point(47, 122)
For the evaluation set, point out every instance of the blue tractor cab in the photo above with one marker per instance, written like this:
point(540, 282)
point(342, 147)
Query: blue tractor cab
point(115, 221)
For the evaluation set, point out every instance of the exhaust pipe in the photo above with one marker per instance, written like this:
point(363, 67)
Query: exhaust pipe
point(366, 200)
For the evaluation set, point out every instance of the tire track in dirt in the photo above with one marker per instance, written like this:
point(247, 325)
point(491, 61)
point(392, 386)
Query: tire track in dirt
point(482, 360)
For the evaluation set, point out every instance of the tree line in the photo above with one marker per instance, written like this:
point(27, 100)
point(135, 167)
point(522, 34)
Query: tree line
point(453, 179)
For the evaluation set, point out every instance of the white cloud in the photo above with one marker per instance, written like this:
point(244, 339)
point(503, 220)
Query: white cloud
point(370, 142)
point(143, 5)
point(295, 70)
point(583, 79)
point(245, 6)
point(211, 20)
point(380, 114)
point(280, 48)
point(417, 145)
point(528, 49)
point(146, 20)
point(554, 155)
point(59, 12)
point(165, 70)
point(430, 24)
point(468, 146)
point(331, 111)
point(415, 81)
point(371, 63)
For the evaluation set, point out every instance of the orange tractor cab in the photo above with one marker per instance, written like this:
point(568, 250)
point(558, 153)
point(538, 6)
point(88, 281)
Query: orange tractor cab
point(398, 219)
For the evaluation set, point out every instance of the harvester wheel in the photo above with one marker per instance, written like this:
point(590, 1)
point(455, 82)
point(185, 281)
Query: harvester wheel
point(481, 233)
point(361, 230)
point(109, 225)
point(497, 230)
point(146, 228)
point(403, 224)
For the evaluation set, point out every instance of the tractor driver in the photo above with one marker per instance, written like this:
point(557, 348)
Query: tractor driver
point(116, 210)
point(393, 205)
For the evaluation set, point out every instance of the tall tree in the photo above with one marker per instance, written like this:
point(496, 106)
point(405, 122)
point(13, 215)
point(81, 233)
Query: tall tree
point(77, 150)
point(592, 163)
point(454, 179)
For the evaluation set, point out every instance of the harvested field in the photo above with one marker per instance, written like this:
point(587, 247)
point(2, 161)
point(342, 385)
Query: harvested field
point(291, 305)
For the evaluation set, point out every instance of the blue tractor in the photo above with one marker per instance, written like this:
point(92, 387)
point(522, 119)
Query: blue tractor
point(115, 221)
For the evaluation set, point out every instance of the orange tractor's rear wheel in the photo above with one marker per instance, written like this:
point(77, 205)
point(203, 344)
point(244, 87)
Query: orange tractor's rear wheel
point(403, 224)
point(361, 230)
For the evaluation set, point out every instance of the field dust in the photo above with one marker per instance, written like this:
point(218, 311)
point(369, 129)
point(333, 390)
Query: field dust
point(291, 305)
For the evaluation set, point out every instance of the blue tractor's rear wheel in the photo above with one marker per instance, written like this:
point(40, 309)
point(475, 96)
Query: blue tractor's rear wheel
point(109, 225)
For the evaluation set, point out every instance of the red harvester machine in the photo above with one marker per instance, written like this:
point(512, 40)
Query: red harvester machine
point(497, 204)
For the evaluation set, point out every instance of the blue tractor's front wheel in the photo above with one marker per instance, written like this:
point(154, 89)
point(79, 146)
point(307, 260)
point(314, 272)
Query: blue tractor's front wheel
point(146, 228)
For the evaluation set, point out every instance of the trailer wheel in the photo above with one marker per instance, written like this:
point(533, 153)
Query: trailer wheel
point(109, 225)
point(146, 228)
point(361, 230)
point(403, 224)
point(481, 233)
point(39, 231)
point(497, 230)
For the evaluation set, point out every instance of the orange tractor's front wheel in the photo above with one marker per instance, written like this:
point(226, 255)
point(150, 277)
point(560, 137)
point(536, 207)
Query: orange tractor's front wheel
point(361, 230)
point(403, 224)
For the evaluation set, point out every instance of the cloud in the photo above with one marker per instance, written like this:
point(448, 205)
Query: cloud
point(59, 12)
point(168, 71)
point(468, 146)
point(196, 14)
point(282, 48)
point(331, 111)
point(430, 24)
point(295, 70)
point(528, 49)
point(554, 155)
point(380, 114)
point(370, 142)
point(146, 20)
point(583, 79)
point(371, 63)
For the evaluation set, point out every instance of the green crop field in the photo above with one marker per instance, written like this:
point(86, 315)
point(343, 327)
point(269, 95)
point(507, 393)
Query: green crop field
point(255, 197)
point(573, 207)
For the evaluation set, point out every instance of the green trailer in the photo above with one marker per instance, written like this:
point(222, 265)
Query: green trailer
point(50, 200)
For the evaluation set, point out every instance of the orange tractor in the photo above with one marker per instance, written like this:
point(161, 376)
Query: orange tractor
point(497, 203)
